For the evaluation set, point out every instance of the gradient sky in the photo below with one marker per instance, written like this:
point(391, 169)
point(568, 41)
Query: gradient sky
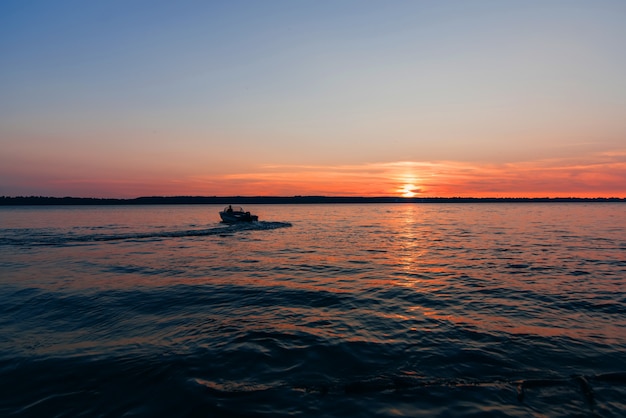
point(127, 98)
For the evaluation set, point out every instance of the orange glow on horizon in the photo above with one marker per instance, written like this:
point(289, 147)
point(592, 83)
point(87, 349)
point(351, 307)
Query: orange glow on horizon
point(602, 175)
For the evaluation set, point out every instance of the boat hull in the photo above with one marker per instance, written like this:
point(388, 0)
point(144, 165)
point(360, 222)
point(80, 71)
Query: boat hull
point(237, 217)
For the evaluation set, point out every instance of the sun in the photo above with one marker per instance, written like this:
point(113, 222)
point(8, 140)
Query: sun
point(408, 190)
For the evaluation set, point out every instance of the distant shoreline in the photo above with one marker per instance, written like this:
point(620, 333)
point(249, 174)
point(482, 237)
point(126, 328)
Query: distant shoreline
point(265, 200)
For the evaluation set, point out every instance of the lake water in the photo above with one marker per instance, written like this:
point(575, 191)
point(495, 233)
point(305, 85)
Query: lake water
point(433, 310)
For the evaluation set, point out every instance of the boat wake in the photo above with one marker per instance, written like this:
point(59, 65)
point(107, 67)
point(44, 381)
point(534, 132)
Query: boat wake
point(44, 237)
point(407, 383)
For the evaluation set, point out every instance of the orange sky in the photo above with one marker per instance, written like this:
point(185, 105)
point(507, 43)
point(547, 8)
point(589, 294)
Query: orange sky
point(600, 176)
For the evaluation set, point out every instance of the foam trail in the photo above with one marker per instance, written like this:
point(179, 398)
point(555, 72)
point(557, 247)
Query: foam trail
point(43, 237)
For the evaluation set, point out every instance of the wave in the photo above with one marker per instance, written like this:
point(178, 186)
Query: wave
point(44, 237)
point(165, 385)
point(407, 382)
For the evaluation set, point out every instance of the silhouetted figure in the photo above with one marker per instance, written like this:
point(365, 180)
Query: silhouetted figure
point(230, 209)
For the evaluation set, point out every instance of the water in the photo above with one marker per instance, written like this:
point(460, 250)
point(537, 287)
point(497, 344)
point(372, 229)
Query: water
point(316, 311)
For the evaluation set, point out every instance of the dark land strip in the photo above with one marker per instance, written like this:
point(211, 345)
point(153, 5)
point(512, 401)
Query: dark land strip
point(262, 200)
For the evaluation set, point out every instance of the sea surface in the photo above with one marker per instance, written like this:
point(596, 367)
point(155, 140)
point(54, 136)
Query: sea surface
point(348, 310)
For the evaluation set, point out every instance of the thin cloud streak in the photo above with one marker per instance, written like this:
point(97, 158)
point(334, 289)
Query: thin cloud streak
point(598, 175)
point(603, 174)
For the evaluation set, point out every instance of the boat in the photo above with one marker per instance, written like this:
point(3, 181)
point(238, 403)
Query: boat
point(234, 214)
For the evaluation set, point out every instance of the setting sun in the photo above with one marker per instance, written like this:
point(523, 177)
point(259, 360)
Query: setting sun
point(408, 190)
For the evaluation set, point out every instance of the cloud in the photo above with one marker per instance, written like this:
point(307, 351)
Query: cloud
point(598, 174)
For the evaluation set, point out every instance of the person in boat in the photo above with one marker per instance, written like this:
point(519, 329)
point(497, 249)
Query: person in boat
point(230, 209)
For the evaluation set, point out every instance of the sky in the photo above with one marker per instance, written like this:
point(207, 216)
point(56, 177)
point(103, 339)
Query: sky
point(483, 98)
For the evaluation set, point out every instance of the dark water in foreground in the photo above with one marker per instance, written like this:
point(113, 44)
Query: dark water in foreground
point(512, 310)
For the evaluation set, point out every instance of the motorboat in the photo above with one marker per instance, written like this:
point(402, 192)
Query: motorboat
point(234, 214)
